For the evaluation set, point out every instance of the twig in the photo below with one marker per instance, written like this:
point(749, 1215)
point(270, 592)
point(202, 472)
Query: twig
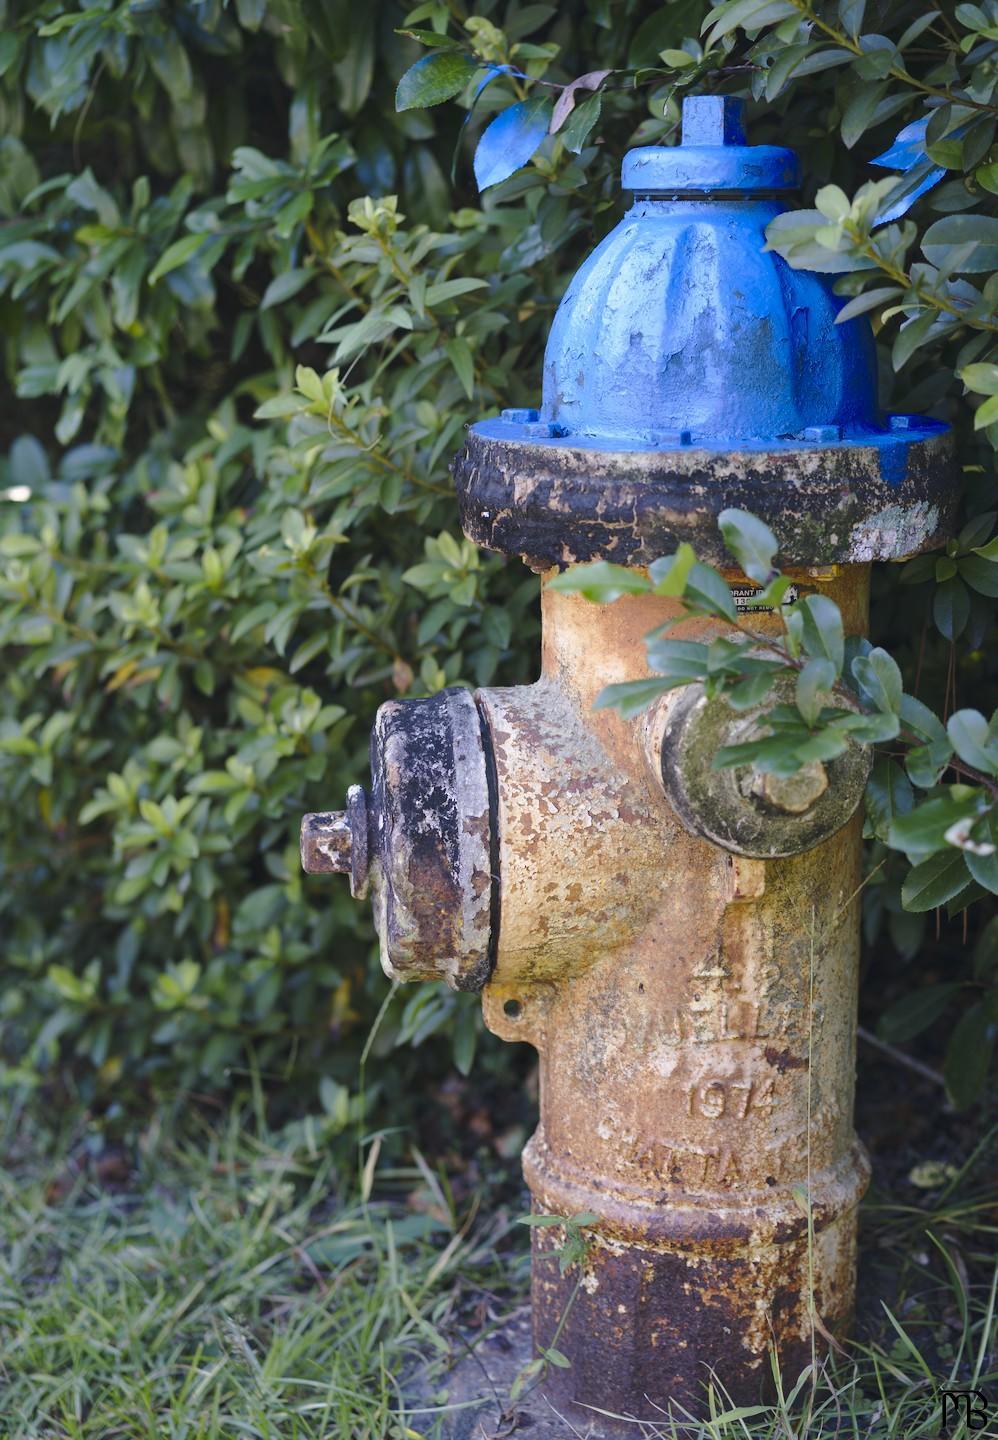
point(900, 1058)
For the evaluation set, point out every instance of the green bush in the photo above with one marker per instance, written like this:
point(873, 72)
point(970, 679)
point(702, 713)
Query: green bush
point(226, 527)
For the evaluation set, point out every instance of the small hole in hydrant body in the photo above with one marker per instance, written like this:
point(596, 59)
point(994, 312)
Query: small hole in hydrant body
point(512, 1009)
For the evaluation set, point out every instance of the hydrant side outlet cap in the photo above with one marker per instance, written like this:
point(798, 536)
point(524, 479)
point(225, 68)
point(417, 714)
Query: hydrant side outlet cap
point(742, 810)
point(434, 880)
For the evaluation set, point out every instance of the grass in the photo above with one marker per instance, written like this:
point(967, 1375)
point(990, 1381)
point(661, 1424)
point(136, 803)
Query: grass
point(231, 1290)
point(233, 1282)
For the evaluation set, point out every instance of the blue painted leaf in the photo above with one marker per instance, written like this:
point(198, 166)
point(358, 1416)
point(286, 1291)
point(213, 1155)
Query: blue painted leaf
point(908, 147)
point(511, 139)
point(919, 179)
point(490, 74)
point(908, 154)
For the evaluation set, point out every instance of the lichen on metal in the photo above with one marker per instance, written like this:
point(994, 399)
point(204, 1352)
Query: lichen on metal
point(679, 944)
point(739, 808)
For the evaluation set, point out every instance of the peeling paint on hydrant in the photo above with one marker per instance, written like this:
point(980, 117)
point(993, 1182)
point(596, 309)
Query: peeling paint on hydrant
point(679, 944)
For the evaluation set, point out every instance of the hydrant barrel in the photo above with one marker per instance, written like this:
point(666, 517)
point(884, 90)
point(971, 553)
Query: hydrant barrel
point(679, 944)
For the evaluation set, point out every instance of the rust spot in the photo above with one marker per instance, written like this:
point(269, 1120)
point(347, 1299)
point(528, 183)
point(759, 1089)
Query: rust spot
point(784, 1060)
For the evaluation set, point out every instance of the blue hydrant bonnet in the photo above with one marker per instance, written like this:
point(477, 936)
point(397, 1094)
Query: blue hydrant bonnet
point(681, 327)
point(687, 368)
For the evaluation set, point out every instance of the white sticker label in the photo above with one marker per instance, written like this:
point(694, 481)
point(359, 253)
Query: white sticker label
point(745, 595)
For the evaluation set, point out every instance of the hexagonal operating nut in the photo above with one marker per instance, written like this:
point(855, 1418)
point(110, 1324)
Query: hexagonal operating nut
point(336, 842)
point(741, 809)
point(790, 794)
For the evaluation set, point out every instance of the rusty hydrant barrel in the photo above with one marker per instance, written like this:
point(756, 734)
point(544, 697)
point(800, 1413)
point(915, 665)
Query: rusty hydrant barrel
point(680, 945)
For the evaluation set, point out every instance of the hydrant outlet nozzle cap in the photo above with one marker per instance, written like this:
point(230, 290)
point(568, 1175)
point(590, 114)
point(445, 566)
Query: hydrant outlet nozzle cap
point(712, 155)
point(326, 843)
point(334, 842)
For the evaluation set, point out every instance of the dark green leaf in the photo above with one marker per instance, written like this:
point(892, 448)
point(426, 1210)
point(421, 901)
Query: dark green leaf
point(783, 66)
point(822, 629)
point(923, 830)
point(934, 881)
point(747, 693)
point(175, 255)
point(680, 660)
point(430, 38)
point(580, 124)
point(915, 1013)
point(984, 867)
point(670, 574)
point(923, 721)
point(951, 607)
point(868, 729)
point(665, 28)
point(912, 336)
point(977, 530)
point(981, 575)
point(707, 593)
point(971, 738)
point(750, 541)
point(285, 287)
point(879, 677)
point(434, 78)
point(631, 697)
point(868, 300)
point(925, 764)
point(466, 1031)
point(814, 683)
point(888, 795)
point(968, 1057)
point(945, 235)
point(859, 112)
point(600, 582)
point(986, 951)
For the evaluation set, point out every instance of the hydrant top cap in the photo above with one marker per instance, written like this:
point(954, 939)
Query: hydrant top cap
point(713, 155)
point(688, 369)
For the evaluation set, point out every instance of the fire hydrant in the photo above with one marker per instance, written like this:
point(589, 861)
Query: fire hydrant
point(680, 944)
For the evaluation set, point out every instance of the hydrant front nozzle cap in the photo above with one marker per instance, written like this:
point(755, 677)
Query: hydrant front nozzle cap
point(326, 843)
point(334, 842)
point(713, 154)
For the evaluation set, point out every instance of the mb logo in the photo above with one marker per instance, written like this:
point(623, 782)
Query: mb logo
point(969, 1405)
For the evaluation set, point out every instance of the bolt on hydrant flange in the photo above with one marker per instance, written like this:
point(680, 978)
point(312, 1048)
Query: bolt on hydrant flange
point(680, 944)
